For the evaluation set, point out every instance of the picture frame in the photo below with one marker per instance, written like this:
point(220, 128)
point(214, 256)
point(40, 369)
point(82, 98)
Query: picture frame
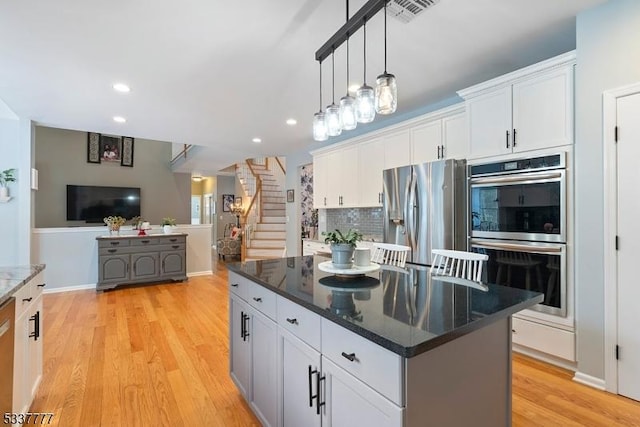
point(110, 149)
point(290, 196)
point(237, 201)
point(93, 147)
point(227, 202)
point(127, 152)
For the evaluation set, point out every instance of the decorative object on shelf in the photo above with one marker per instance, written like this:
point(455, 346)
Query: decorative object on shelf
point(290, 196)
point(93, 147)
point(383, 100)
point(6, 176)
point(114, 223)
point(386, 89)
point(227, 202)
point(111, 148)
point(342, 246)
point(127, 152)
point(167, 224)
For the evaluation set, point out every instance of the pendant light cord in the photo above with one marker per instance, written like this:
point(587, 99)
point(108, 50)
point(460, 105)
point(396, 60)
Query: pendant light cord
point(333, 78)
point(320, 63)
point(385, 37)
point(364, 31)
point(347, 50)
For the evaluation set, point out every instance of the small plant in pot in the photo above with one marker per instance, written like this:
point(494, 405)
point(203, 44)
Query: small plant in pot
point(167, 224)
point(6, 176)
point(342, 246)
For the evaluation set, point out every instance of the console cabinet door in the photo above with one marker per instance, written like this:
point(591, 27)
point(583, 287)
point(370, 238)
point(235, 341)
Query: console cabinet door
point(240, 348)
point(351, 402)
point(145, 265)
point(299, 385)
point(172, 263)
point(113, 268)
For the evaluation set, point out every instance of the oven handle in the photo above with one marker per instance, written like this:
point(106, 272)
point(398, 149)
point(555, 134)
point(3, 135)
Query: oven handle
point(513, 246)
point(517, 178)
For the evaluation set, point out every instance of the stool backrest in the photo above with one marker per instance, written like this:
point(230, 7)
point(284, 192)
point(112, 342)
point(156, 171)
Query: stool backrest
point(465, 265)
point(390, 254)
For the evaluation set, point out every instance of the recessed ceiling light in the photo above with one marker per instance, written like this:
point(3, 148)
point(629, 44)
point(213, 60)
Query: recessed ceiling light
point(292, 122)
point(196, 178)
point(119, 119)
point(257, 140)
point(121, 87)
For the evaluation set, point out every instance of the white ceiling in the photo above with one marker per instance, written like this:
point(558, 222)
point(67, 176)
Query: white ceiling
point(219, 73)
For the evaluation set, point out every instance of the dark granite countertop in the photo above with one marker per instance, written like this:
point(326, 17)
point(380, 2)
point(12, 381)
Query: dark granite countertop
point(13, 278)
point(405, 310)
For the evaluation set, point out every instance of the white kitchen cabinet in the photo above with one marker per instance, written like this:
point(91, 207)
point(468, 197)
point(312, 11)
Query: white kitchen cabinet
point(371, 162)
point(526, 110)
point(348, 401)
point(454, 136)
point(253, 352)
point(343, 178)
point(300, 365)
point(426, 142)
point(27, 368)
point(397, 150)
point(442, 138)
point(320, 180)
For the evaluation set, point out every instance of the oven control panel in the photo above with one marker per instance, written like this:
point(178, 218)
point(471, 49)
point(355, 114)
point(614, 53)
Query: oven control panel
point(523, 165)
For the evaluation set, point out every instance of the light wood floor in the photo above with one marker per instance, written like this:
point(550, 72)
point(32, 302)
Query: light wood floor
point(158, 355)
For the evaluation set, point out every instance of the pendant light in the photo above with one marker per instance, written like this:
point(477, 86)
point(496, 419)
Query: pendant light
point(348, 102)
point(319, 120)
point(386, 98)
point(334, 124)
point(365, 97)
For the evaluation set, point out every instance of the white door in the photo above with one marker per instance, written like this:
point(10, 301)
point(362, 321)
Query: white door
point(628, 151)
point(299, 364)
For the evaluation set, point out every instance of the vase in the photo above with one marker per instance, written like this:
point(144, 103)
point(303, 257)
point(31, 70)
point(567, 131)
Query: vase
point(114, 230)
point(4, 192)
point(341, 255)
point(167, 229)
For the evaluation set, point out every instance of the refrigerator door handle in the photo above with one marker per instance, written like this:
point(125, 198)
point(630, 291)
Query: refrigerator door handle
point(410, 216)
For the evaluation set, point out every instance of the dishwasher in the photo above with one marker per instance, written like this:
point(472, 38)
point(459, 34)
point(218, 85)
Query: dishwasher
point(7, 317)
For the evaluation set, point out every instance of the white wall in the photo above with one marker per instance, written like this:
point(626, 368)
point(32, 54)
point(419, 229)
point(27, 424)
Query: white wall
point(71, 254)
point(607, 45)
point(292, 180)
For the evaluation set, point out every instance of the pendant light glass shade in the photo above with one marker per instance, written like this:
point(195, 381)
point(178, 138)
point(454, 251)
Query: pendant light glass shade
point(386, 94)
point(365, 104)
point(334, 123)
point(320, 132)
point(348, 112)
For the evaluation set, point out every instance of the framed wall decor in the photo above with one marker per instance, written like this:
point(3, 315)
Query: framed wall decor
point(290, 196)
point(110, 148)
point(227, 202)
point(127, 152)
point(93, 147)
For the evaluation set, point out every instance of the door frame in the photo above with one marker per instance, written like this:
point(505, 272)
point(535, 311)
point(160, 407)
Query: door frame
point(609, 109)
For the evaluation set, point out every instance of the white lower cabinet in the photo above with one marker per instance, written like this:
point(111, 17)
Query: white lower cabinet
point(349, 401)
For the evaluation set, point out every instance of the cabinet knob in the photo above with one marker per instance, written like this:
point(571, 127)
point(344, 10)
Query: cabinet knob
point(111, 251)
point(175, 246)
point(114, 243)
point(42, 285)
point(293, 321)
point(514, 137)
point(173, 240)
point(235, 285)
point(27, 299)
point(351, 356)
point(257, 299)
point(145, 241)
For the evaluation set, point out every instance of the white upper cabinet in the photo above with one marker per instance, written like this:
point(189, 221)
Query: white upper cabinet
point(370, 167)
point(454, 137)
point(396, 150)
point(426, 142)
point(320, 180)
point(525, 110)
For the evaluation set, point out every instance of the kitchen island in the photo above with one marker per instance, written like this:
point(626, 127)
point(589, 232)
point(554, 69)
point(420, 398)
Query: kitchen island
point(396, 347)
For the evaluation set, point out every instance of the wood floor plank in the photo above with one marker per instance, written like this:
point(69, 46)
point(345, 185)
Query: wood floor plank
point(159, 356)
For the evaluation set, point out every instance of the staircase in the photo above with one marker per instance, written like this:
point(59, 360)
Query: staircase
point(267, 238)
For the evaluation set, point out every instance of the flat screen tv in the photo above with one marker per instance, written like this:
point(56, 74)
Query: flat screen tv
point(92, 203)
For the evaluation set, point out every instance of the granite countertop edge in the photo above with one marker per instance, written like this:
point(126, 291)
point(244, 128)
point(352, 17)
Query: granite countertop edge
point(396, 348)
point(34, 269)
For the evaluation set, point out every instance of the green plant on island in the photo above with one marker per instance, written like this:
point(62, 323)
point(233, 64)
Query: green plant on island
point(351, 237)
point(168, 221)
point(6, 176)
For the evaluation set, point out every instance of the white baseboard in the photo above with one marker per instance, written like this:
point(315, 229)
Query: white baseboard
point(200, 273)
point(69, 288)
point(585, 379)
point(547, 358)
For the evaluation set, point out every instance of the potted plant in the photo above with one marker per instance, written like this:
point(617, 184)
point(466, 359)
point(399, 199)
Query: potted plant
point(167, 224)
point(114, 223)
point(6, 176)
point(342, 246)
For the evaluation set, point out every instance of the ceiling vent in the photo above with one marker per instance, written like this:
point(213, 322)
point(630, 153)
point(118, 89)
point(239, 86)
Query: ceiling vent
point(406, 10)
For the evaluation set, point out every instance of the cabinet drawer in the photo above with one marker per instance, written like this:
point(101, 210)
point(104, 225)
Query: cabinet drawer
point(544, 338)
point(262, 299)
point(144, 241)
point(112, 243)
point(238, 285)
point(23, 299)
point(315, 247)
point(37, 285)
point(115, 250)
point(168, 240)
point(303, 323)
point(376, 366)
point(166, 247)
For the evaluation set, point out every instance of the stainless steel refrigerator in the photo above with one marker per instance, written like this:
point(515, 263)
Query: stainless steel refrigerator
point(425, 207)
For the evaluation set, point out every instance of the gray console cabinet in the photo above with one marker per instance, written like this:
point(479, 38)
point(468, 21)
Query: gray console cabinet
point(141, 259)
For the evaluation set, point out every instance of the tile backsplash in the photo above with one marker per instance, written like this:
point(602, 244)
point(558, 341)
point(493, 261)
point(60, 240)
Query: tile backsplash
point(366, 220)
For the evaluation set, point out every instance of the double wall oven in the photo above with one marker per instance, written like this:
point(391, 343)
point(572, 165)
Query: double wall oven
point(518, 217)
